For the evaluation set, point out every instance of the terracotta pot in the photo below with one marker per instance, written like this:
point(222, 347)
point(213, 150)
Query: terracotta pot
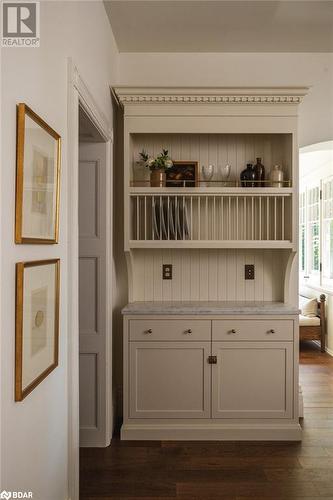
point(157, 178)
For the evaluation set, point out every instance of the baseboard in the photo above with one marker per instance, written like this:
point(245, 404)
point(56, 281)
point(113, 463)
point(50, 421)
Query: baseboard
point(212, 432)
point(329, 351)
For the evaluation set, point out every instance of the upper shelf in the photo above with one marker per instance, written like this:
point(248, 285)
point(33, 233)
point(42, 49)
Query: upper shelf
point(192, 152)
point(210, 188)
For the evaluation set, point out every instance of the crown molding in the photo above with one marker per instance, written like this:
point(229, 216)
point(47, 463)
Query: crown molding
point(226, 95)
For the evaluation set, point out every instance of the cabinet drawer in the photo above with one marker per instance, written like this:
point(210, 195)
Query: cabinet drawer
point(261, 329)
point(165, 330)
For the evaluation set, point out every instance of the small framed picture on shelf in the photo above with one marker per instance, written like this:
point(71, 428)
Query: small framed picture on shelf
point(37, 179)
point(37, 323)
point(183, 174)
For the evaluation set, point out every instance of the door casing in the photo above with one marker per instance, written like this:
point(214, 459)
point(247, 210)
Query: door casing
point(79, 95)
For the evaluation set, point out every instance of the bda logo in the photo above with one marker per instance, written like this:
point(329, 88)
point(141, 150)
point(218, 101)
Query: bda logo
point(5, 494)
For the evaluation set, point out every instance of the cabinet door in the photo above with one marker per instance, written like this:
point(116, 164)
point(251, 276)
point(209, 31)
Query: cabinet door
point(169, 380)
point(252, 380)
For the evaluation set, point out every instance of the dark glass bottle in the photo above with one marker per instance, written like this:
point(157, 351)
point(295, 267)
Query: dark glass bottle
point(247, 176)
point(260, 173)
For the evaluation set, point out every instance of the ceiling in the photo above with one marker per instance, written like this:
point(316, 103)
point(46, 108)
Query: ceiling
point(221, 26)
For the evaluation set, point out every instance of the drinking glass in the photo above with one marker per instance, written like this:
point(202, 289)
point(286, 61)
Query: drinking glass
point(208, 172)
point(225, 173)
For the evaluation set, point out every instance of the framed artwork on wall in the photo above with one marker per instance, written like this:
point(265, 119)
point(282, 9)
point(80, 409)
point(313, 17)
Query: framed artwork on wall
point(183, 174)
point(37, 179)
point(37, 323)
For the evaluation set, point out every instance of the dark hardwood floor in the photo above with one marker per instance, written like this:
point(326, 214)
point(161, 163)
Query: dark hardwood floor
point(229, 470)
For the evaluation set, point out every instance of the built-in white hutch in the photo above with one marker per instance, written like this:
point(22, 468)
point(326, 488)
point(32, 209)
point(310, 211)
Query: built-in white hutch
point(209, 354)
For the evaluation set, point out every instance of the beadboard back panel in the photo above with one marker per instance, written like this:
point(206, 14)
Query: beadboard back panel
point(216, 149)
point(208, 275)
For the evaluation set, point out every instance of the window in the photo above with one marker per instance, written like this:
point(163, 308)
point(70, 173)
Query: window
point(302, 221)
point(316, 233)
point(327, 209)
point(313, 205)
point(316, 215)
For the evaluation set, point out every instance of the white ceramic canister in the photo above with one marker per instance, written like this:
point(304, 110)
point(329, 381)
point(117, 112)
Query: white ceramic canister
point(276, 176)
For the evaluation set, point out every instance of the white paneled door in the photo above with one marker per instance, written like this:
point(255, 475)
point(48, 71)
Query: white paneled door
point(92, 294)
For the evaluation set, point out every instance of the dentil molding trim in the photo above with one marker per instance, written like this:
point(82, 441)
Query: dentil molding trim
point(181, 95)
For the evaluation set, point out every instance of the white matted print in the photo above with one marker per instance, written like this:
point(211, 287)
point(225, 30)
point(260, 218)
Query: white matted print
point(37, 179)
point(37, 323)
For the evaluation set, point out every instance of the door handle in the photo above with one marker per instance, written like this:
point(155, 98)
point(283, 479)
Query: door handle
point(212, 360)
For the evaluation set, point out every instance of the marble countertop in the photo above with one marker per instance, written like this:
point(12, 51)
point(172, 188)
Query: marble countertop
point(209, 308)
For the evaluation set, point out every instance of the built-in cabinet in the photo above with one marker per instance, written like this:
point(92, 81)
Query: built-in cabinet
point(179, 369)
point(208, 354)
point(234, 373)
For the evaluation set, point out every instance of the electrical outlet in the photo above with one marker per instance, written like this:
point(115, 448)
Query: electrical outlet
point(167, 272)
point(249, 271)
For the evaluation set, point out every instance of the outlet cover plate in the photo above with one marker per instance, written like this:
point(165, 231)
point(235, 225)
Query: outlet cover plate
point(167, 271)
point(249, 271)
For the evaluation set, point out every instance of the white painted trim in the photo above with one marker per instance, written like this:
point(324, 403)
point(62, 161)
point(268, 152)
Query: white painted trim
point(211, 191)
point(327, 349)
point(73, 324)
point(212, 431)
point(317, 288)
point(109, 287)
point(1, 339)
point(90, 106)
point(318, 146)
point(78, 94)
point(209, 95)
point(300, 403)
point(210, 244)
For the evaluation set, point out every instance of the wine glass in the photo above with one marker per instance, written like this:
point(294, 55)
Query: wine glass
point(207, 172)
point(225, 173)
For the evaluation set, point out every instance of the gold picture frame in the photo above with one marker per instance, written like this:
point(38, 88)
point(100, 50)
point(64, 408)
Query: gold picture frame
point(36, 323)
point(183, 174)
point(38, 158)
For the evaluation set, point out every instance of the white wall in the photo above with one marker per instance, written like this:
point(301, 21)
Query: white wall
point(315, 70)
point(34, 432)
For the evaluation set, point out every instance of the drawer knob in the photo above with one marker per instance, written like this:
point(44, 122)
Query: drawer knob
point(212, 360)
point(232, 331)
point(149, 331)
point(271, 331)
point(188, 331)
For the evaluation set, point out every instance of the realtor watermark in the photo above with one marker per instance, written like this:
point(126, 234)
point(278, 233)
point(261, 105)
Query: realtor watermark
point(20, 26)
point(7, 495)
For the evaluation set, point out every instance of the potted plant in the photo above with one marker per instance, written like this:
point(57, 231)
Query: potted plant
point(157, 167)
